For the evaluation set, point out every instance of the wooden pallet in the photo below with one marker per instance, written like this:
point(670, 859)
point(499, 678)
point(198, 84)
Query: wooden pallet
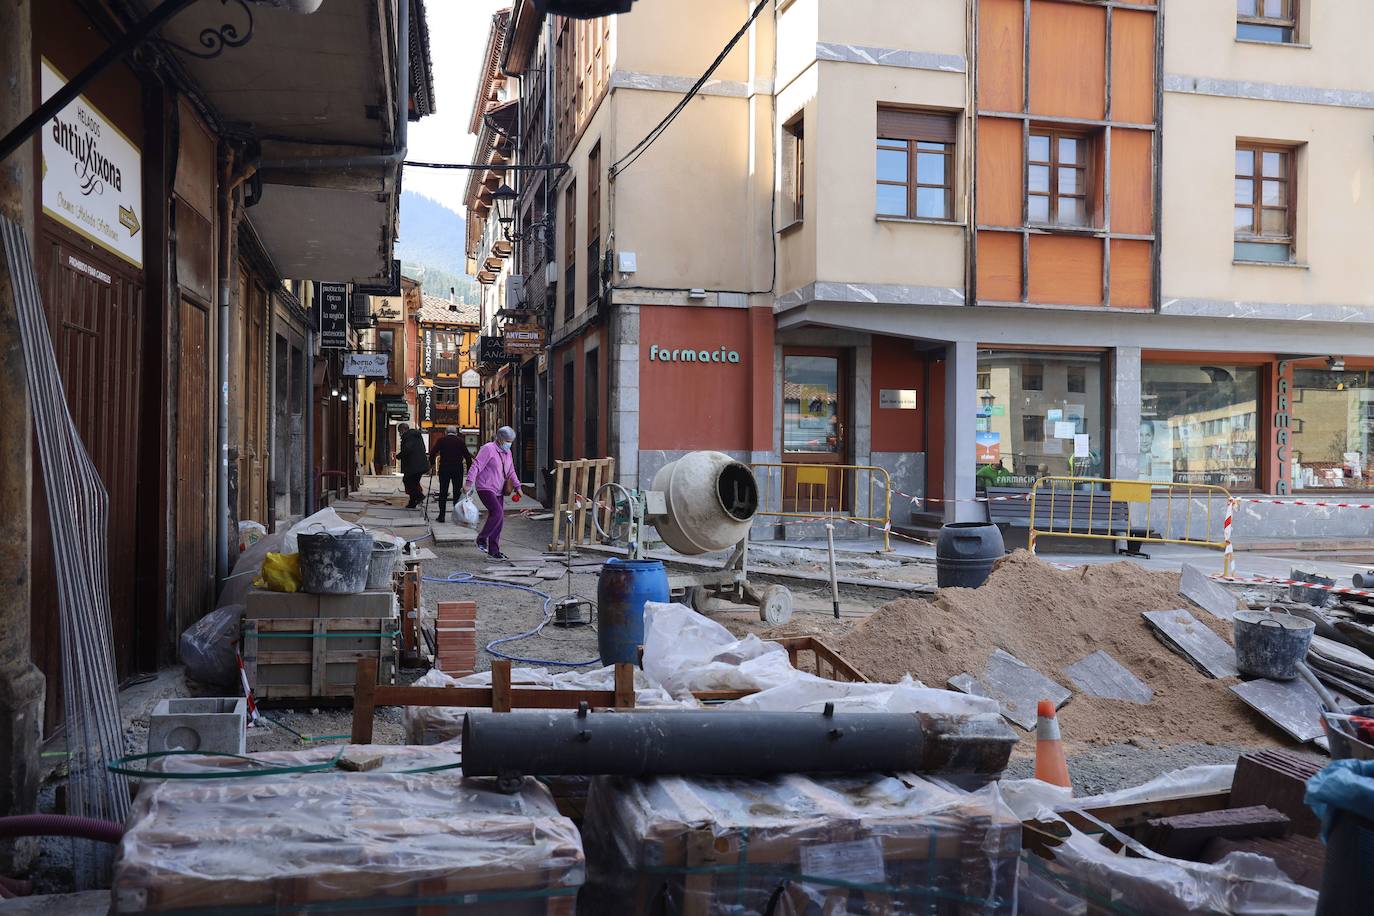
point(316, 658)
point(574, 486)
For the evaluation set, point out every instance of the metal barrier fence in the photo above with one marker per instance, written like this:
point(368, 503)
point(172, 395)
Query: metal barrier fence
point(857, 493)
point(1100, 508)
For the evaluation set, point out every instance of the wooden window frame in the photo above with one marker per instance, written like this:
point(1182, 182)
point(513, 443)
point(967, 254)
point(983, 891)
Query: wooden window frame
point(1088, 144)
point(914, 134)
point(1289, 21)
point(1257, 178)
point(795, 169)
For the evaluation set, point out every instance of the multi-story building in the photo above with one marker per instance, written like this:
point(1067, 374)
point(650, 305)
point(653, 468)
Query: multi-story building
point(448, 384)
point(969, 233)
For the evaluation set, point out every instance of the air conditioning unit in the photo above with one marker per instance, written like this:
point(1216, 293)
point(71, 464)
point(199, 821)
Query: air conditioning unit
point(515, 292)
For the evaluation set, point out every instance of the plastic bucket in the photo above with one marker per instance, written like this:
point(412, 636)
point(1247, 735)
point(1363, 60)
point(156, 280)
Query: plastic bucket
point(621, 591)
point(965, 553)
point(335, 564)
point(385, 553)
point(1270, 644)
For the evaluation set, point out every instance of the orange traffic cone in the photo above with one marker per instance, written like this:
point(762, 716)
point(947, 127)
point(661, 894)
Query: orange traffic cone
point(1050, 765)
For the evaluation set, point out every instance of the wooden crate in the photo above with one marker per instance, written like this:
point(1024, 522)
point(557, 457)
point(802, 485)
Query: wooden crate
point(316, 658)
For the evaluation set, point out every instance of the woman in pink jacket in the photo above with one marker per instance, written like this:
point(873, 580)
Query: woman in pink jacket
point(491, 473)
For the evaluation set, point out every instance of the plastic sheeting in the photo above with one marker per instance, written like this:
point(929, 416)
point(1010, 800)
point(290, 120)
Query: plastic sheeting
point(1031, 798)
point(380, 841)
point(209, 647)
point(795, 845)
point(435, 724)
point(685, 651)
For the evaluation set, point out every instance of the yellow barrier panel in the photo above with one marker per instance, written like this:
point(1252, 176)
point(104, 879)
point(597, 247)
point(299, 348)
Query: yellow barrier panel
point(826, 491)
point(1099, 508)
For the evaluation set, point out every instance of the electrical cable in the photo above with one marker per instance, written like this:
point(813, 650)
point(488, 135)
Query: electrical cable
point(639, 148)
point(467, 578)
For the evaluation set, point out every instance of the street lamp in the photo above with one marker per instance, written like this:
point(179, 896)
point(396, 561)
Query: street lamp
point(503, 201)
point(987, 398)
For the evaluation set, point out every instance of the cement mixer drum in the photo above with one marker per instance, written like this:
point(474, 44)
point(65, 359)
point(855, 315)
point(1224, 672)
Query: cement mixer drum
point(710, 500)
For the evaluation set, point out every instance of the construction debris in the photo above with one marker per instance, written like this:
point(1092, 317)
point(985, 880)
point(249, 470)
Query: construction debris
point(1015, 686)
point(1183, 836)
point(1277, 779)
point(1211, 596)
point(1103, 676)
point(1181, 632)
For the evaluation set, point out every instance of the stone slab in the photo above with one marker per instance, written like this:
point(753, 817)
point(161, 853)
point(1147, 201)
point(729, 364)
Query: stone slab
point(1212, 597)
point(263, 604)
point(1103, 676)
point(1195, 641)
point(1291, 705)
point(1017, 687)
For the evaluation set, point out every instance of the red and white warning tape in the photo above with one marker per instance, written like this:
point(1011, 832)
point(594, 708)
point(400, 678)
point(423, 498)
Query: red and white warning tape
point(1265, 580)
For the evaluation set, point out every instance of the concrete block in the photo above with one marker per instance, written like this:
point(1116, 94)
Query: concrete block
point(364, 604)
point(263, 604)
point(206, 724)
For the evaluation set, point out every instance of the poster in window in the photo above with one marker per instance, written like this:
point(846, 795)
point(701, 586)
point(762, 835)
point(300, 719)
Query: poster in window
point(989, 448)
point(1155, 457)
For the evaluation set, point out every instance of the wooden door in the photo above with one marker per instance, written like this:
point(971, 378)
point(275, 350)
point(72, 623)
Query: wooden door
point(95, 309)
point(816, 428)
point(194, 526)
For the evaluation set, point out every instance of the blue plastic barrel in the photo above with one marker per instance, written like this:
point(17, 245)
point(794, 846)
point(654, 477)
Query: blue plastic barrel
point(621, 591)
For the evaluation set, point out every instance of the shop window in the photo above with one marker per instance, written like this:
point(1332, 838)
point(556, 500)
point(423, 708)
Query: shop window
point(1267, 20)
point(1031, 424)
point(1332, 428)
point(1198, 424)
point(915, 164)
point(1264, 185)
point(811, 405)
point(386, 343)
point(1058, 178)
point(794, 171)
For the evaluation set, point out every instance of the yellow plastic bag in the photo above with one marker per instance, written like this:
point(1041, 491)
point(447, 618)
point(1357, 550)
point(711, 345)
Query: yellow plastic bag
point(281, 572)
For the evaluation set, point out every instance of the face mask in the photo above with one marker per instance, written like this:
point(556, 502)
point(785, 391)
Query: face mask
point(505, 446)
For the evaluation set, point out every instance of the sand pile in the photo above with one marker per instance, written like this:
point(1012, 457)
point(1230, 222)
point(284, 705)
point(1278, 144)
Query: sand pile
point(1050, 618)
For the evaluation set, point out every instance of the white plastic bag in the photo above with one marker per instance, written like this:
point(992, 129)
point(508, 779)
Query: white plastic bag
point(465, 513)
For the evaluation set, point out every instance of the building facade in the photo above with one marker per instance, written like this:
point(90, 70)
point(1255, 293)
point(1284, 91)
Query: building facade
point(981, 242)
point(185, 349)
point(448, 384)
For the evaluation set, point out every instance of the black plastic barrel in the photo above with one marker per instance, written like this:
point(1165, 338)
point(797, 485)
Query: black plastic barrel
point(965, 553)
point(621, 591)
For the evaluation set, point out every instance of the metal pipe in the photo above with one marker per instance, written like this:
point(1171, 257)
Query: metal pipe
point(834, 580)
point(730, 743)
point(226, 230)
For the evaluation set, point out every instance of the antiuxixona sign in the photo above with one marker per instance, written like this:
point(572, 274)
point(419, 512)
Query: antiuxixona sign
point(92, 175)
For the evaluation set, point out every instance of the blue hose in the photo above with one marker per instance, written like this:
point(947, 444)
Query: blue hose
point(466, 578)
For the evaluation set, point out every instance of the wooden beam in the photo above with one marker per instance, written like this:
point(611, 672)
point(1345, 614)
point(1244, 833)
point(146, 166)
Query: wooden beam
point(363, 704)
point(500, 685)
point(624, 685)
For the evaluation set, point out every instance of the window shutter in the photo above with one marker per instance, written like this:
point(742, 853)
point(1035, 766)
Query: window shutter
point(908, 124)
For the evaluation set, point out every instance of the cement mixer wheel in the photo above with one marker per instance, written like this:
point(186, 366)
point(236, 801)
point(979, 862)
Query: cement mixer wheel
point(698, 598)
point(775, 605)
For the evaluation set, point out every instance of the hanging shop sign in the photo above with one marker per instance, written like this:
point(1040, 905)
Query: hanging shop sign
point(675, 355)
point(524, 338)
point(368, 365)
point(92, 175)
point(493, 350)
point(429, 351)
point(397, 410)
point(471, 378)
point(333, 305)
point(391, 286)
point(425, 403)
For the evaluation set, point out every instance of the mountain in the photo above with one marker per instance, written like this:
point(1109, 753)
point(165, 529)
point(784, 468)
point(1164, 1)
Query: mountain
point(431, 247)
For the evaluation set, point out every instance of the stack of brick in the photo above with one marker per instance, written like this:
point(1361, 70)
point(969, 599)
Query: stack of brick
point(455, 638)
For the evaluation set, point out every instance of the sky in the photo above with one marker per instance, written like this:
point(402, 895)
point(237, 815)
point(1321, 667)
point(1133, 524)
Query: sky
point(458, 31)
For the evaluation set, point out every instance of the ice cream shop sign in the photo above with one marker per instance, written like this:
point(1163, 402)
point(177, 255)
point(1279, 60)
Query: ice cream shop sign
point(677, 355)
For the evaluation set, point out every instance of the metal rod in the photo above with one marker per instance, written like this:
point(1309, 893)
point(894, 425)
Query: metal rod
point(834, 582)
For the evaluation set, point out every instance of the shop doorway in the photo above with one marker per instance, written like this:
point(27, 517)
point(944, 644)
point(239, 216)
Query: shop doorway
point(817, 407)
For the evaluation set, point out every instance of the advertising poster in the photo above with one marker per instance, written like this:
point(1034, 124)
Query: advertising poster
point(989, 447)
point(1155, 451)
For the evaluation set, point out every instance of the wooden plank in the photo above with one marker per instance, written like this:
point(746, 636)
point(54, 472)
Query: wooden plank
point(1132, 280)
point(558, 508)
point(1132, 187)
point(500, 685)
point(1001, 187)
point(1065, 269)
point(526, 698)
point(1133, 66)
point(1017, 687)
point(317, 648)
point(1001, 57)
point(1068, 67)
point(624, 685)
point(1181, 631)
point(1103, 676)
point(364, 691)
point(581, 476)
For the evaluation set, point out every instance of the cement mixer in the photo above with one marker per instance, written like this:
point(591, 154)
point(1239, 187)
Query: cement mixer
point(702, 503)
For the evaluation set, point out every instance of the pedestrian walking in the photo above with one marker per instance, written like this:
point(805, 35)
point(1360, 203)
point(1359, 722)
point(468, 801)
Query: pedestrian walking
point(492, 475)
point(414, 463)
point(449, 454)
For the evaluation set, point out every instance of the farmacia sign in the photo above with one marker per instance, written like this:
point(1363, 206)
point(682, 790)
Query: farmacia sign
point(664, 355)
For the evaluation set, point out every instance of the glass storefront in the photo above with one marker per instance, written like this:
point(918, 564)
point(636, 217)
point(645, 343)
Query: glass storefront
point(1332, 428)
point(1039, 414)
point(1199, 424)
point(810, 405)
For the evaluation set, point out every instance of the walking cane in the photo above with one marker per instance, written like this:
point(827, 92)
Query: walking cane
point(429, 491)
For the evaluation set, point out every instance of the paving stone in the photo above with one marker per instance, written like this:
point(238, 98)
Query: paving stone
point(1212, 597)
point(1291, 705)
point(1181, 631)
point(1103, 676)
point(1017, 687)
